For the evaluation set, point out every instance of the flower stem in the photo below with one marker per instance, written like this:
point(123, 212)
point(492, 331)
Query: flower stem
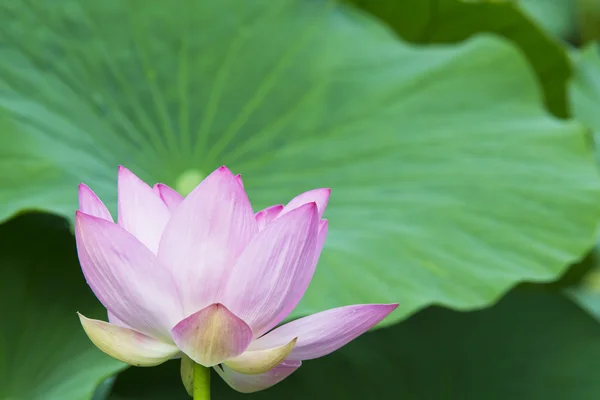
point(201, 382)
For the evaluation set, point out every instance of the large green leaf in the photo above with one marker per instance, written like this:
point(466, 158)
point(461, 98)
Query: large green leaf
point(585, 101)
point(451, 21)
point(450, 182)
point(532, 345)
point(584, 89)
point(44, 353)
point(558, 17)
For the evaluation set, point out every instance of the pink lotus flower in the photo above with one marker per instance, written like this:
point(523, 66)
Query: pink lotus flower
point(203, 276)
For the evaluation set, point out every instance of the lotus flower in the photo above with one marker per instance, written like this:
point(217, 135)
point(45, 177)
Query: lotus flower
point(204, 277)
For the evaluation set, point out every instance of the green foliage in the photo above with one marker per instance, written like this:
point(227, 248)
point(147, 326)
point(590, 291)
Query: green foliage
point(434, 122)
point(44, 353)
point(452, 21)
point(431, 157)
point(585, 88)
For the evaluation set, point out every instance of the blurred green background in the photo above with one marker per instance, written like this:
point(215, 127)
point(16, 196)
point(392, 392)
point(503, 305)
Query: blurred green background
point(458, 138)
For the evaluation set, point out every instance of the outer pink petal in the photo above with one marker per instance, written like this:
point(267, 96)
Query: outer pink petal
point(116, 321)
point(206, 234)
point(253, 383)
point(322, 333)
point(141, 211)
point(319, 196)
point(126, 277)
point(265, 277)
point(239, 179)
point(212, 335)
point(302, 282)
point(90, 204)
point(266, 216)
point(169, 196)
point(323, 229)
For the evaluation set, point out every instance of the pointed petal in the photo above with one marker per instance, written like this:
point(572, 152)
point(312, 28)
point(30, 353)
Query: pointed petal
point(266, 216)
point(303, 281)
point(322, 333)
point(126, 277)
point(260, 361)
point(253, 383)
point(204, 237)
point(239, 179)
point(323, 229)
point(141, 211)
point(265, 276)
point(169, 196)
point(187, 374)
point(127, 345)
point(90, 204)
point(319, 196)
point(212, 335)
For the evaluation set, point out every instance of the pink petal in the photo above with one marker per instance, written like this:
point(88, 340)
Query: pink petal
point(169, 196)
point(126, 277)
point(141, 211)
point(127, 345)
point(266, 216)
point(253, 383)
point(319, 196)
point(212, 335)
point(116, 321)
point(303, 282)
point(323, 229)
point(90, 204)
point(204, 237)
point(263, 281)
point(322, 333)
point(239, 179)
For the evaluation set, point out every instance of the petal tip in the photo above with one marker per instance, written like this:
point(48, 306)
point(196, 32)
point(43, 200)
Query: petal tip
point(392, 306)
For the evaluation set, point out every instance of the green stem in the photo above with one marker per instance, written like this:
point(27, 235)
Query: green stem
point(201, 382)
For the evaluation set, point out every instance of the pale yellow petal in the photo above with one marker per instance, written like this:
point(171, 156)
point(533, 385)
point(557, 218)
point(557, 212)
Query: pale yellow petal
point(187, 374)
point(127, 345)
point(260, 361)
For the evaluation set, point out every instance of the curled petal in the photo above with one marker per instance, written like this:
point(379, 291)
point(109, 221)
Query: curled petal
point(126, 277)
point(205, 235)
point(212, 335)
point(322, 333)
point(319, 196)
point(260, 361)
point(141, 211)
point(266, 216)
point(265, 276)
point(253, 383)
point(169, 196)
point(127, 345)
point(90, 204)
